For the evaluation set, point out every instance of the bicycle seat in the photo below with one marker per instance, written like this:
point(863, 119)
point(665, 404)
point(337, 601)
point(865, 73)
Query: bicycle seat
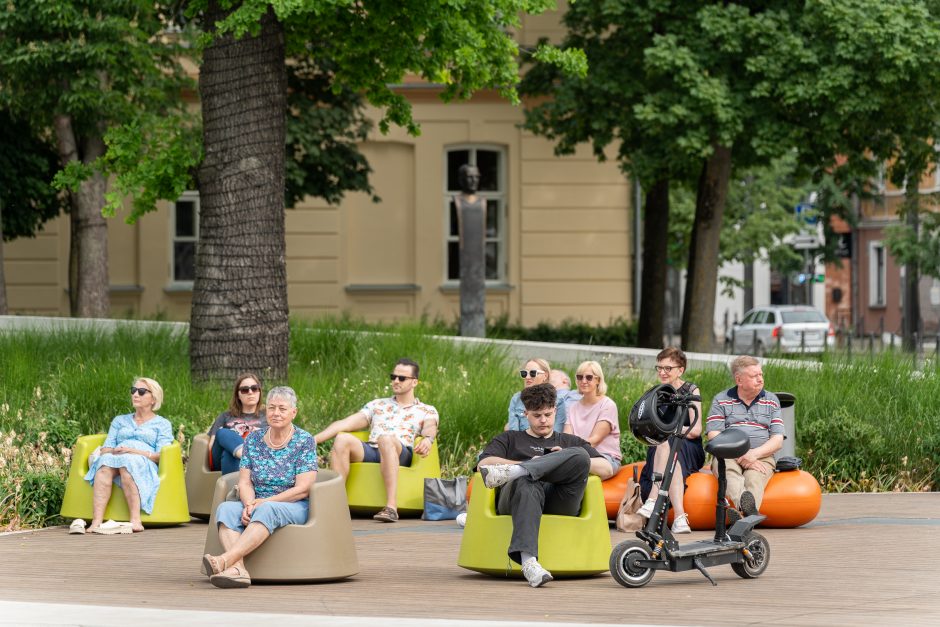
point(729, 444)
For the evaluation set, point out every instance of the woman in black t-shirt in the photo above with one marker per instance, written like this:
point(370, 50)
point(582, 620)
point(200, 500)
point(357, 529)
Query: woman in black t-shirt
point(244, 415)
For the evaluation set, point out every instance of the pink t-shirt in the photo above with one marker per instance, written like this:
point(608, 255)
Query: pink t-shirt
point(582, 419)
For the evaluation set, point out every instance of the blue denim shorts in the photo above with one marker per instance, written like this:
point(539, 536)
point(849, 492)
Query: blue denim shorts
point(615, 463)
point(371, 455)
point(271, 514)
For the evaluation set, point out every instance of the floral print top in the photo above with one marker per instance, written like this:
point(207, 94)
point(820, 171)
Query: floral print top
point(387, 417)
point(274, 471)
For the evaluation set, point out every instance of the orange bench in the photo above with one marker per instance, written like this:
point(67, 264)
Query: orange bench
point(791, 499)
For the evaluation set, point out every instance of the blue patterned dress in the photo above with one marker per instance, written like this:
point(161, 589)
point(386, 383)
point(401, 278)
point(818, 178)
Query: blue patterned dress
point(274, 471)
point(151, 436)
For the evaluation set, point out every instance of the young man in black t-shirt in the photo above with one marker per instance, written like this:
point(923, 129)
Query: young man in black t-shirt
point(540, 471)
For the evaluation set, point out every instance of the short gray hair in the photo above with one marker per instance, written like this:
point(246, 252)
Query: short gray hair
point(282, 391)
point(740, 363)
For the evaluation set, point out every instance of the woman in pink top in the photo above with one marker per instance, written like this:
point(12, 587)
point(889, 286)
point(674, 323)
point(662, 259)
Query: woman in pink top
point(594, 418)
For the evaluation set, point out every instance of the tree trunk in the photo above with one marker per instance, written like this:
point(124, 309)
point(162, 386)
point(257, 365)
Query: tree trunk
point(3, 279)
point(911, 321)
point(655, 252)
point(239, 315)
point(89, 296)
point(698, 311)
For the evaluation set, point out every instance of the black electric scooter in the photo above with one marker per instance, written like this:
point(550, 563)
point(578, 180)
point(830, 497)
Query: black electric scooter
point(660, 415)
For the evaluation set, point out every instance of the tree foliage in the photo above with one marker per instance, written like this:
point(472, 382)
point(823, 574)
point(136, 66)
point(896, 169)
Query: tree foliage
point(28, 161)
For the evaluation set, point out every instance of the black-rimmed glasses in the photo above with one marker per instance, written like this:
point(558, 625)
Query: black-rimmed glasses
point(139, 391)
point(399, 377)
point(665, 369)
point(585, 377)
point(247, 389)
point(530, 373)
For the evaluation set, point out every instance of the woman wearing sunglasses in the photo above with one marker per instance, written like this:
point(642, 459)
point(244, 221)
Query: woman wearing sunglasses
point(594, 418)
point(244, 416)
point(129, 457)
point(533, 372)
point(670, 366)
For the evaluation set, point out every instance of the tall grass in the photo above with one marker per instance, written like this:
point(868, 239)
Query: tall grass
point(862, 425)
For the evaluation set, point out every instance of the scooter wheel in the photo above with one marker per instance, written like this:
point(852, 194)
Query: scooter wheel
point(623, 564)
point(759, 548)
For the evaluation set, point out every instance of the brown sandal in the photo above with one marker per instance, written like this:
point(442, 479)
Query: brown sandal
point(234, 577)
point(212, 564)
point(387, 514)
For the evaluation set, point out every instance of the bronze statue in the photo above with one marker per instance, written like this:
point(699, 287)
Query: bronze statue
point(471, 224)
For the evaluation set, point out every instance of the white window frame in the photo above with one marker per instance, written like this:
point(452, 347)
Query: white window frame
point(502, 198)
point(193, 197)
point(877, 274)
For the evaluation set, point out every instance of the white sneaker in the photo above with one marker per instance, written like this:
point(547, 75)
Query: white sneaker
point(647, 510)
point(496, 475)
point(681, 524)
point(535, 574)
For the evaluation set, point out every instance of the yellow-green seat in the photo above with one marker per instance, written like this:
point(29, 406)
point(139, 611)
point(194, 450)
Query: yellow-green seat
point(366, 490)
point(568, 545)
point(200, 479)
point(169, 508)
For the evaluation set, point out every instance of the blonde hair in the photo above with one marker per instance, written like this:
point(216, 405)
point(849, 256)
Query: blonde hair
point(598, 372)
point(155, 390)
point(543, 365)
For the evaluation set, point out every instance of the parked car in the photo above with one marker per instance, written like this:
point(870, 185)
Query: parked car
point(781, 329)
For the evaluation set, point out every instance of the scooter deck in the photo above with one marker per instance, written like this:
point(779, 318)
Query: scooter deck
point(705, 547)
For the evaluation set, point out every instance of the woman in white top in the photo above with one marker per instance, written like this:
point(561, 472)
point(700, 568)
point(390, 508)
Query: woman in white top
point(594, 418)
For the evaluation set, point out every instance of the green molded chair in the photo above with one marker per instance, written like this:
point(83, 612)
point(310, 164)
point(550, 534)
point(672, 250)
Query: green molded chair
point(569, 546)
point(322, 549)
point(200, 478)
point(169, 508)
point(366, 490)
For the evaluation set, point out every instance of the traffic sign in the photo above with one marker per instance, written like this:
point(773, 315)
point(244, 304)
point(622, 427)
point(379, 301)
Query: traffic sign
point(805, 241)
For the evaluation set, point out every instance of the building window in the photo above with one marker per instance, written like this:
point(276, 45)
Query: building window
point(185, 235)
point(876, 274)
point(491, 161)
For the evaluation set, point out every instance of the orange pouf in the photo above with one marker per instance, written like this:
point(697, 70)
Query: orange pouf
point(791, 499)
point(617, 485)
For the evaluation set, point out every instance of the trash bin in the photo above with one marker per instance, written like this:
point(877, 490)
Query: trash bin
point(788, 413)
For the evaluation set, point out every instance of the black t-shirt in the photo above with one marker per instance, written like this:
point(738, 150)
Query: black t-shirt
point(519, 446)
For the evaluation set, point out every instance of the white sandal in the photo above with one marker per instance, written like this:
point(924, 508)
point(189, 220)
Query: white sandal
point(77, 527)
point(112, 528)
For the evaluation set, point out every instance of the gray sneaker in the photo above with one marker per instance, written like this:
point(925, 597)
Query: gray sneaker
point(748, 504)
point(535, 574)
point(495, 475)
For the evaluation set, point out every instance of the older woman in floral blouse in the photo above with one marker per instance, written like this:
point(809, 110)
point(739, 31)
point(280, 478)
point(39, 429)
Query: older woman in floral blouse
point(278, 467)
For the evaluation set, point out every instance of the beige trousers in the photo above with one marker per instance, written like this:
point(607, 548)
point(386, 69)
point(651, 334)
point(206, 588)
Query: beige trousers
point(740, 480)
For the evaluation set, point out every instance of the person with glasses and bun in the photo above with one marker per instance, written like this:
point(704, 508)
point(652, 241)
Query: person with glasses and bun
point(394, 424)
point(245, 415)
point(534, 372)
point(594, 419)
point(130, 457)
point(670, 366)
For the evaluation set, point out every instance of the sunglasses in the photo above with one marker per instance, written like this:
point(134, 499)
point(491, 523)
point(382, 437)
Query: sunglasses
point(665, 369)
point(139, 391)
point(399, 377)
point(530, 373)
point(585, 377)
point(246, 389)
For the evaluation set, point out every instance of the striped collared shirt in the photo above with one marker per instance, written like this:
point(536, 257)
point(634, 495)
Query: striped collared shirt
point(760, 420)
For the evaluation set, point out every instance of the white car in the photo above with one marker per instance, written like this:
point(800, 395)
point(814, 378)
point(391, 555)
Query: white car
point(781, 329)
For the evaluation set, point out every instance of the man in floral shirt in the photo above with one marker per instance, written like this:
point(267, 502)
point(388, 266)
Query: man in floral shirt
point(394, 424)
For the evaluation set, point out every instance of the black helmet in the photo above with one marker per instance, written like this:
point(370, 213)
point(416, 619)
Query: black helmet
point(655, 417)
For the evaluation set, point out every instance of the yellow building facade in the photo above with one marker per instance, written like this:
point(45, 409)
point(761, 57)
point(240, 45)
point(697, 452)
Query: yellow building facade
point(559, 231)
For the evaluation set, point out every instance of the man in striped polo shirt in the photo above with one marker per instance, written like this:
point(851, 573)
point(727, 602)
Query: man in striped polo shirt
point(754, 410)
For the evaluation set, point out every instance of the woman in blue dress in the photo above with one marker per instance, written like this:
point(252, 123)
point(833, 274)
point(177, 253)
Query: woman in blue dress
point(130, 456)
point(278, 468)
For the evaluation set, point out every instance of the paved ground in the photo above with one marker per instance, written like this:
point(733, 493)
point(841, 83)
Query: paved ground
point(866, 560)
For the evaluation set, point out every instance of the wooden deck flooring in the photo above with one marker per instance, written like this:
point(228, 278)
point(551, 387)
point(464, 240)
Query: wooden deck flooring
point(866, 560)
